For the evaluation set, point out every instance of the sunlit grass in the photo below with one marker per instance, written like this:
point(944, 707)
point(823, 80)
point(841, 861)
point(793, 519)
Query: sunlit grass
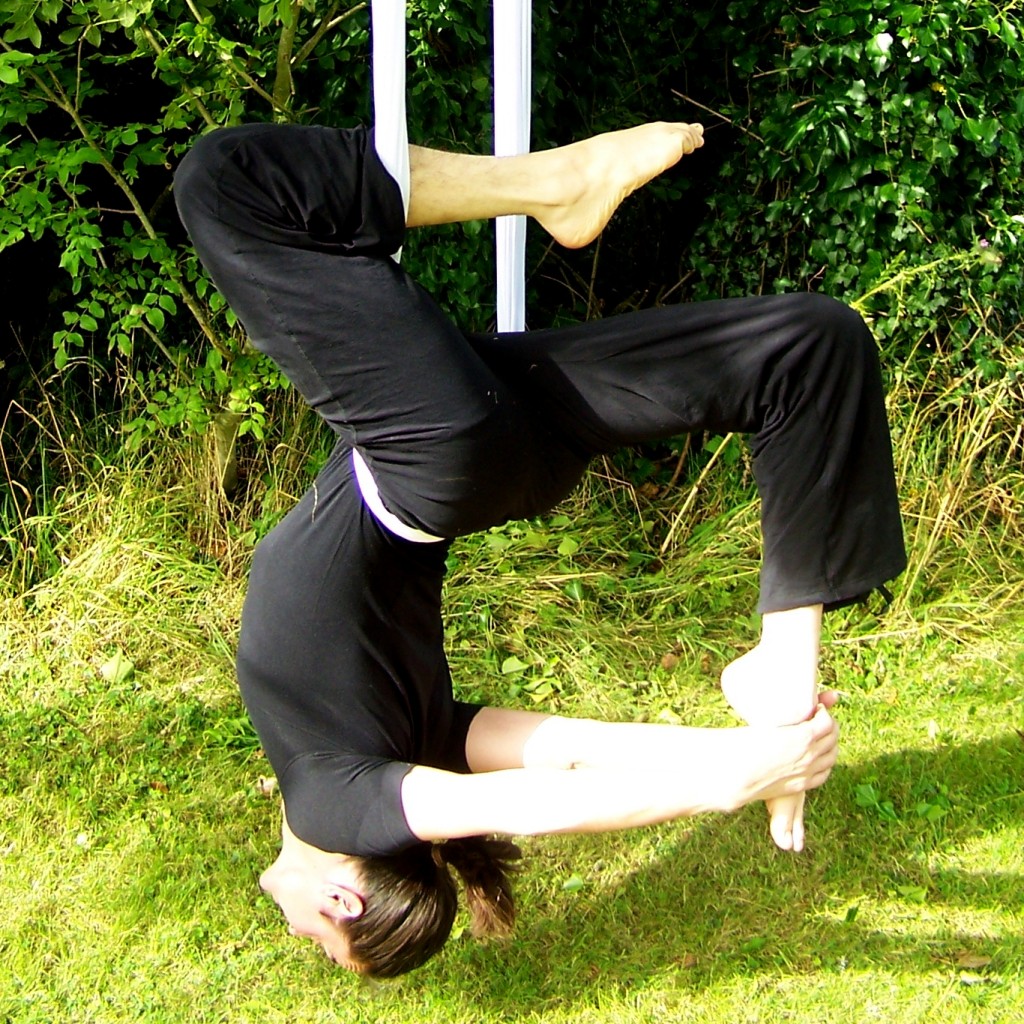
point(132, 826)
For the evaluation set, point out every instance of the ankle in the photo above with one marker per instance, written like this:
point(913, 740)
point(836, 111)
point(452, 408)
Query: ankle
point(769, 687)
point(794, 625)
point(551, 181)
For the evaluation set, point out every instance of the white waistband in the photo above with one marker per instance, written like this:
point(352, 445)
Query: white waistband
point(368, 489)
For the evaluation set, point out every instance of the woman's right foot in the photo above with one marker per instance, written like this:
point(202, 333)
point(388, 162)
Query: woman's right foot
point(595, 175)
point(765, 687)
point(777, 764)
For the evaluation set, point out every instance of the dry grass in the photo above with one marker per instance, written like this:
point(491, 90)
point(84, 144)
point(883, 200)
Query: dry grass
point(132, 829)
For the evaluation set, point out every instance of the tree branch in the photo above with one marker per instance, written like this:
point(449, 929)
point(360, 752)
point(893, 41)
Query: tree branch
point(327, 24)
point(283, 70)
point(727, 120)
point(252, 83)
point(238, 70)
point(59, 98)
point(147, 33)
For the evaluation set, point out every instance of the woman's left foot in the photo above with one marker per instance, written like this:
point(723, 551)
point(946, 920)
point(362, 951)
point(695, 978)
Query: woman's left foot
point(763, 690)
point(595, 175)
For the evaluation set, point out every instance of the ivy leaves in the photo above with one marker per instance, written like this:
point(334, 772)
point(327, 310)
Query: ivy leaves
point(876, 136)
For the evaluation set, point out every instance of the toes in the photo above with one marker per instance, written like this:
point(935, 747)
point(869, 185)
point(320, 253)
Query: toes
point(781, 832)
point(786, 823)
point(798, 836)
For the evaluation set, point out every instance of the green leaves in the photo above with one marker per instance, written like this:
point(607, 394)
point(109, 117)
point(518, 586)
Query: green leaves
point(537, 680)
point(21, 21)
point(117, 669)
point(868, 797)
point(12, 63)
point(887, 132)
point(74, 167)
point(864, 137)
point(928, 804)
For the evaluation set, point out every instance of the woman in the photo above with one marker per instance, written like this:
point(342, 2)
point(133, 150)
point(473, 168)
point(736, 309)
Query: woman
point(386, 779)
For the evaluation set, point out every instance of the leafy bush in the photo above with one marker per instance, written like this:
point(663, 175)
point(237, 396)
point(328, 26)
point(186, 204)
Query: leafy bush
point(102, 98)
point(856, 146)
point(868, 148)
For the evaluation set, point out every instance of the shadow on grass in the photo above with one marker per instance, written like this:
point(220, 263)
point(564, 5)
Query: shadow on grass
point(907, 864)
point(880, 887)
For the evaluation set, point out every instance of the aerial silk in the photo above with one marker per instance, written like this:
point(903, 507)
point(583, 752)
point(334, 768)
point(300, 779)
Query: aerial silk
point(391, 135)
point(512, 61)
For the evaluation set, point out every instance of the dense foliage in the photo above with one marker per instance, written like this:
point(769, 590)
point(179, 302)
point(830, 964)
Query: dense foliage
point(868, 148)
point(854, 146)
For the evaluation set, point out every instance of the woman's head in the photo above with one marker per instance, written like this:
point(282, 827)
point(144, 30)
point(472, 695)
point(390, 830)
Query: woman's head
point(411, 899)
point(383, 916)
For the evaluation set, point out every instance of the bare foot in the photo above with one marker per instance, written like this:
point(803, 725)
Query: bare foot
point(764, 687)
point(597, 174)
point(786, 822)
point(786, 813)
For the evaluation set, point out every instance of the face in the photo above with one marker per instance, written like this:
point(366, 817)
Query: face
point(311, 902)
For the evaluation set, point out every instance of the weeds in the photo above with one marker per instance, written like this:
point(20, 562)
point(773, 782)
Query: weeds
point(133, 825)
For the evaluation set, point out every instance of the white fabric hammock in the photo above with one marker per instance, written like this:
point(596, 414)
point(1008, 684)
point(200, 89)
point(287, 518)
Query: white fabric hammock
point(512, 63)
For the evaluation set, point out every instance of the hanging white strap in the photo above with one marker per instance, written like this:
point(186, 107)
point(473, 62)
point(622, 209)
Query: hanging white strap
point(391, 134)
point(512, 86)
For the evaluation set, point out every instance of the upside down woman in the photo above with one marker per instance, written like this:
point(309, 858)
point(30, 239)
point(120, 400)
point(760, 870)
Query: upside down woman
point(386, 779)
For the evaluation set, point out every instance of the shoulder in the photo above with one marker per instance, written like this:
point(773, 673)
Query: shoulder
point(347, 803)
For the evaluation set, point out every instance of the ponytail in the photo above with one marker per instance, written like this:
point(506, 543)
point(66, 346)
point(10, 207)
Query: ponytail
point(484, 866)
point(410, 901)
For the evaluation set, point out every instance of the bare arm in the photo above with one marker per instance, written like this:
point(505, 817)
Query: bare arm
point(656, 773)
point(510, 738)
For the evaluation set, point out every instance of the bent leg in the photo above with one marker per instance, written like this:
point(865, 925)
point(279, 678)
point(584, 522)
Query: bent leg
point(295, 225)
point(799, 373)
point(571, 191)
point(774, 684)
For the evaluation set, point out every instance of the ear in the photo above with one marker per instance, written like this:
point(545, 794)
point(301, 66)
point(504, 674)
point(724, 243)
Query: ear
point(340, 903)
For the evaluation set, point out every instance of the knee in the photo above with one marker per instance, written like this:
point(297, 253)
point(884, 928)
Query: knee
point(839, 338)
point(194, 178)
point(824, 315)
point(842, 322)
point(197, 178)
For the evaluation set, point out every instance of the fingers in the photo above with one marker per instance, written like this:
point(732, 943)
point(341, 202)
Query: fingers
point(812, 769)
point(822, 723)
point(786, 813)
point(829, 698)
point(797, 833)
point(824, 741)
point(818, 779)
point(827, 752)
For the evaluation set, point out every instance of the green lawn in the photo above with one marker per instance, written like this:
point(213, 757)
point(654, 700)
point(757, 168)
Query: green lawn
point(133, 826)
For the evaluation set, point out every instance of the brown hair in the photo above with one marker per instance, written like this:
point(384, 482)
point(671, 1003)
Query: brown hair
point(410, 901)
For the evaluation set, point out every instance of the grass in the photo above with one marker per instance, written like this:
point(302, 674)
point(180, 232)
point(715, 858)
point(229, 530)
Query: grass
point(133, 826)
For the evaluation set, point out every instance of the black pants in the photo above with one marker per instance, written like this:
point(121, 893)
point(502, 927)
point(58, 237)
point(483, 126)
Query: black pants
point(463, 431)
